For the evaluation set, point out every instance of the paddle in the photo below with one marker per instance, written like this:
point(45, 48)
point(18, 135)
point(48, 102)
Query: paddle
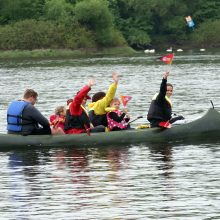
point(212, 104)
point(135, 119)
point(165, 124)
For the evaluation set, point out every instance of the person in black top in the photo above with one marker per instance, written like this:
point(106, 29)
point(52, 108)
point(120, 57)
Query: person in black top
point(161, 105)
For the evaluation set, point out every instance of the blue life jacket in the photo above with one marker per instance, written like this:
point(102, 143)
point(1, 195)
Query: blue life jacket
point(14, 115)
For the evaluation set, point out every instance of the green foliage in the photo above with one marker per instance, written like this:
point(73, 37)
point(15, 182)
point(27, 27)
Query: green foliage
point(32, 34)
point(138, 38)
point(207, 34)
point(58, 11)
point(35, 24)
point(207, 10)
point(96, 16)
point(16, 10)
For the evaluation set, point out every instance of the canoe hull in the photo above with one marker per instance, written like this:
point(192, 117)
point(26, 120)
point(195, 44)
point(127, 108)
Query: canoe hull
point(207, 127)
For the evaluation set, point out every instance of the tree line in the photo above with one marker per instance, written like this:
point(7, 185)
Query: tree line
point(89, 24)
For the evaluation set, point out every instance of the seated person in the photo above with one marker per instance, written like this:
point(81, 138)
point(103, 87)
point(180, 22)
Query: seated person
point(77, 119)
point(23, 118)
point(57, 120)
point(100, 101)
point(160, 110)
point(117, 120)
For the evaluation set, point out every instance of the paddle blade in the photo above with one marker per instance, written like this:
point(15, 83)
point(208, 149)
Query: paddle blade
point(165, 124)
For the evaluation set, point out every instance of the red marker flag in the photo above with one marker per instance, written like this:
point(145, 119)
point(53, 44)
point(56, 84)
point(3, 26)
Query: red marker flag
point(125, 99)
point(168, 58)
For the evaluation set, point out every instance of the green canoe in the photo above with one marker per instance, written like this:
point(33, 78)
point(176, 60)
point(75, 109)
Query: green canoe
point(205, 128)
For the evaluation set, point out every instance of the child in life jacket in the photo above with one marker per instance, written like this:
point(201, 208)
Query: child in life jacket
point(117, 119)
point(58, 119)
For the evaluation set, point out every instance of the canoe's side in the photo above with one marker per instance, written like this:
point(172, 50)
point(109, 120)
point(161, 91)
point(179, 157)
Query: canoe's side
point(206, 126)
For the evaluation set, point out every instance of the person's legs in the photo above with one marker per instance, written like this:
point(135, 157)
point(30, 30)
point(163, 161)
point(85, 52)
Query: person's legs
point(154, 123)
point(41, 131)
point(57, 131)
point(99, 128)
point(176, 118)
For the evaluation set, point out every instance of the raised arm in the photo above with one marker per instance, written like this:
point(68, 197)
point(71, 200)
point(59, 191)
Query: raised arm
point(163, 88)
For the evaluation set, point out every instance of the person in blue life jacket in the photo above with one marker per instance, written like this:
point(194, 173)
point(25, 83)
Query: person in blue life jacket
point(161, 105)
point(23, 118)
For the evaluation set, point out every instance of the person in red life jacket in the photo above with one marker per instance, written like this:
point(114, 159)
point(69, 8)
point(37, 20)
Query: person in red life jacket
point(57, 120)
point(117, 119)
point(161, 105)
point(77, 119)
point(23, 118)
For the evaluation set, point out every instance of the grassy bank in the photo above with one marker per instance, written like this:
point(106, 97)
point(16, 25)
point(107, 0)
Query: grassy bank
point(51, 53)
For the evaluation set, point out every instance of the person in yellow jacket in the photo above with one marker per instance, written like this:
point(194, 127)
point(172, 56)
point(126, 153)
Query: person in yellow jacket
point(100, 101)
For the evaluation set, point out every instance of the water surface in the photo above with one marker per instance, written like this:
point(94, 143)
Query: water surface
point(131, 182)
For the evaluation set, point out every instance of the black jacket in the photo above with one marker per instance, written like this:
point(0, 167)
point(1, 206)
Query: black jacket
point(160, 109)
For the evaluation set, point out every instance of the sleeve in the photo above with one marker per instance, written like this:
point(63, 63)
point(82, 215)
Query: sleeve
point(38, 117)
point(74, 107)
point(115, 117)
point(52, 118)
point(100, 105)
point(163, 90)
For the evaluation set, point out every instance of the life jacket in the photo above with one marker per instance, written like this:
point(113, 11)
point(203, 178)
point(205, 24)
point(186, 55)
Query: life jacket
point(14, 115)
point(57, 121)
point(98, 119)
point(77, 121)
point(158, 112)
point(166, 98)
point(114, 124)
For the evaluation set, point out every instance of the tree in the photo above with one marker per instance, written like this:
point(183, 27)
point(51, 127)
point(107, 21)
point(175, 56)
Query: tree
point(12, 11)
point(96, 16)
point(58, 11)
point(207, 34)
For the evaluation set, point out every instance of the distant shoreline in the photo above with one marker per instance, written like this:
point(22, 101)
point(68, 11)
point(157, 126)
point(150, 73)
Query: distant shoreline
point(84, 53)
point(64, 53)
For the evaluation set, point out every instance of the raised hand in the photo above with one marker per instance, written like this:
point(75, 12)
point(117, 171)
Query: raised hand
point(115, 77)
point(166, 74)
point(91, 82)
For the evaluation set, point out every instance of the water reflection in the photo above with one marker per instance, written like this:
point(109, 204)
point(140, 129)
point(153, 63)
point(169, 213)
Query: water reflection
point(23, 182)
point(143, 181)
point(74, 161)
point(162, 154)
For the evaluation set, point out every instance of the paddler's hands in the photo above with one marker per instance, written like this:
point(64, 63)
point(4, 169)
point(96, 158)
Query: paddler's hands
point(91, 82)
point(115, 77)
point(125, 110)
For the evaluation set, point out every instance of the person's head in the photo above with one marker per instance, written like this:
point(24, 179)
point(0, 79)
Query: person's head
point(97, 96)
point(30, 95)
point(169, 90)
point(115, 103)
point(60, 110)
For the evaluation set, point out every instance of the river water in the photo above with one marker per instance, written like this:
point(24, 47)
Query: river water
point(131, 182)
